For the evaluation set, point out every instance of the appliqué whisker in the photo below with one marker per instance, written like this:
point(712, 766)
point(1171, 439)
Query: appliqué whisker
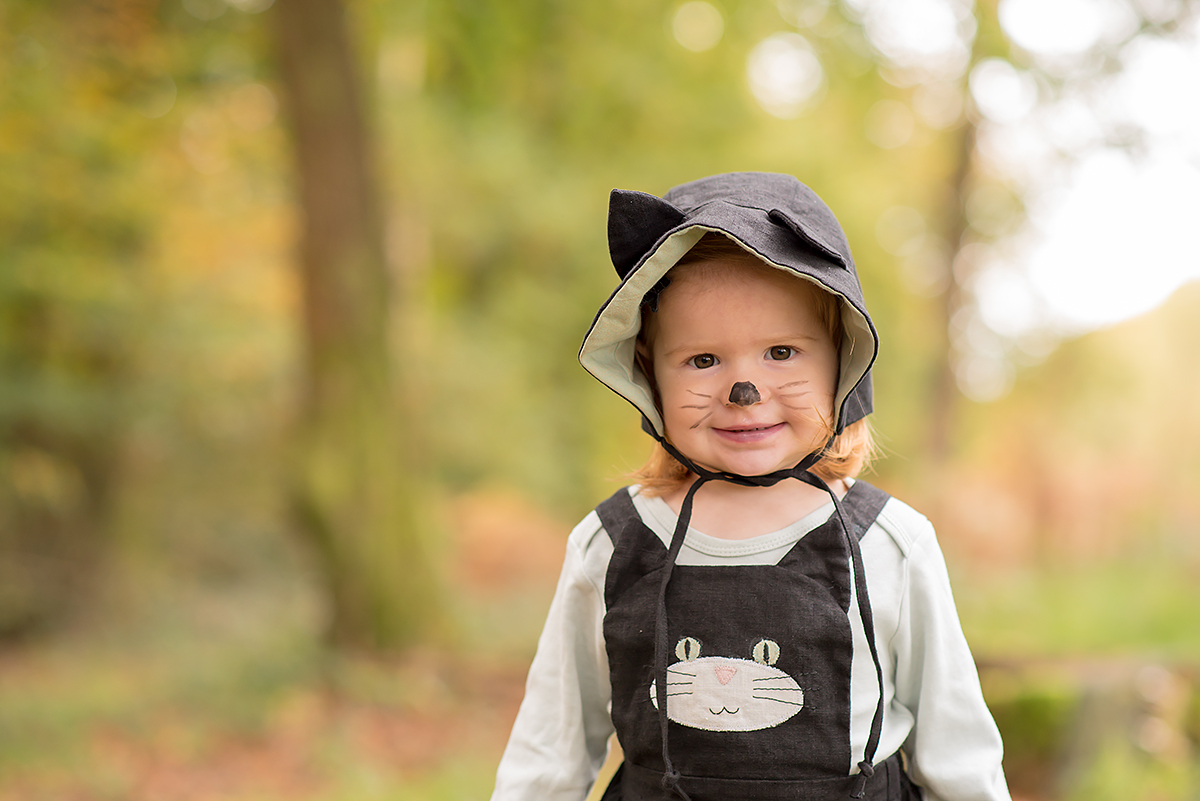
point(777, 700)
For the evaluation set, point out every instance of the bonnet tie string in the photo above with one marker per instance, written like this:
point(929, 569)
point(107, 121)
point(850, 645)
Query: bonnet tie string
point(670, 780)
point(866, 768)
point(671, 776)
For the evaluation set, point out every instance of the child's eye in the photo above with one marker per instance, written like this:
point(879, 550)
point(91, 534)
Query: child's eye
point(781, 353)
point(703, 361)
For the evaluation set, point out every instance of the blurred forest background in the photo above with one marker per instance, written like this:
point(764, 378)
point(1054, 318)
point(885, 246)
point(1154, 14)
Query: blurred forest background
point(291, 426)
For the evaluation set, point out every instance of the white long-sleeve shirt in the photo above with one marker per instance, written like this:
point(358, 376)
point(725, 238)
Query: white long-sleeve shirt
point(933, 706)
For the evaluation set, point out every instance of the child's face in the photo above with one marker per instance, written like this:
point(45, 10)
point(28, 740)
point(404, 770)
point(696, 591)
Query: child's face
point(746, 369)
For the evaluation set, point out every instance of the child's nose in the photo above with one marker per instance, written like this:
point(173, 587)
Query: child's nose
point(744, 393)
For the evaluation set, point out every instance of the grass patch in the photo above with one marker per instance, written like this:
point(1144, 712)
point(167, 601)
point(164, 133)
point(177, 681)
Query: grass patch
point(227, 688)
point(1139, 606)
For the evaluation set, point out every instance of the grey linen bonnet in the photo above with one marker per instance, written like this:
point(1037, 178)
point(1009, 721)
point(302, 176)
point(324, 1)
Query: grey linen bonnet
point(774, 217)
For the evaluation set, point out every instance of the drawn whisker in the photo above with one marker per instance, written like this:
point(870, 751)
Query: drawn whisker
point(793, 384)
point(701, 420)
point(698, 394)
point(678, 672)
point(777, 700)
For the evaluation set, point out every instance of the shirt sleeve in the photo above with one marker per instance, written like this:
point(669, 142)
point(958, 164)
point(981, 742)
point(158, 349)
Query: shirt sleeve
point(954, 748)
point(560, 736)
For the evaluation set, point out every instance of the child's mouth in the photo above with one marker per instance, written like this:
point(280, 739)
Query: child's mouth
point(749, 433)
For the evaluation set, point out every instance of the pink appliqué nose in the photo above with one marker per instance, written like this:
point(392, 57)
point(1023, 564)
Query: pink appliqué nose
point(724, 673)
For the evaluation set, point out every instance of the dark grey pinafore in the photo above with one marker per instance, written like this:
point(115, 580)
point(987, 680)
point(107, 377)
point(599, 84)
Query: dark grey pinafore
point(758, 684)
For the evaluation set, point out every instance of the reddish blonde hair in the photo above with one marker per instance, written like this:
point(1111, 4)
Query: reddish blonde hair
point(846, 456)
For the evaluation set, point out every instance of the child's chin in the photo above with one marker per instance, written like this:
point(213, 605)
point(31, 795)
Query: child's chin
point(754, 467)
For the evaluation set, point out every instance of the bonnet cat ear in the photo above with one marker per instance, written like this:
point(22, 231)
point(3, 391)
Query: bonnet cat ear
point(812, 236)
point(636, 220)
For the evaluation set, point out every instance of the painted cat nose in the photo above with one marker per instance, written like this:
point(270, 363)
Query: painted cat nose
point(744, 394)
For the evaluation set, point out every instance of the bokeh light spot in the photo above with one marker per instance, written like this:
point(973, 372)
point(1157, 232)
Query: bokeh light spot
point(932, 36)
point(901, 231)
point(1000, 92)
point(992, 210)
point(1054, 27)
point(939, 104)
point(889, 124)
point(1118, 241)
point(252, 107)
point(202, 139)
point(251, 6)
point(205, 9)
point(1156, 77)
point(157, 97)
point(784, 74)
point(698, 25)
point(1005, 301)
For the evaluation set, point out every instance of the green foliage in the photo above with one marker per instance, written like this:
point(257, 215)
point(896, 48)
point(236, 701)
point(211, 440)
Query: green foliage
point(1035, 715)
point(73, 236)
point(1120, 772)
point(1140, 606)
point(1077, 729)
point(107, 353)
point(460, 781)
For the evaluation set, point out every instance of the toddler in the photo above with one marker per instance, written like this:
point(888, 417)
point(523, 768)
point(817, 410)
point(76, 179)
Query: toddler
point(750, 620)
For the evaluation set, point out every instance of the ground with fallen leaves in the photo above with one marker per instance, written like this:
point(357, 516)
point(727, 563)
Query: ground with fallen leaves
point(232, 711)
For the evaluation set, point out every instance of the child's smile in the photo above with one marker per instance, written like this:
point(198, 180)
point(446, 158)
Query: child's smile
point(744, 367)
point(749, 434)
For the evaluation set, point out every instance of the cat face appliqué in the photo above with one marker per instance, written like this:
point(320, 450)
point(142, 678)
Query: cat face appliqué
point(720, 693)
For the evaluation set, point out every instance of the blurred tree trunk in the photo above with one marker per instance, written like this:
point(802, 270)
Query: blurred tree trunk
point(946, 396)
point(354, 487)
point(954, 229)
